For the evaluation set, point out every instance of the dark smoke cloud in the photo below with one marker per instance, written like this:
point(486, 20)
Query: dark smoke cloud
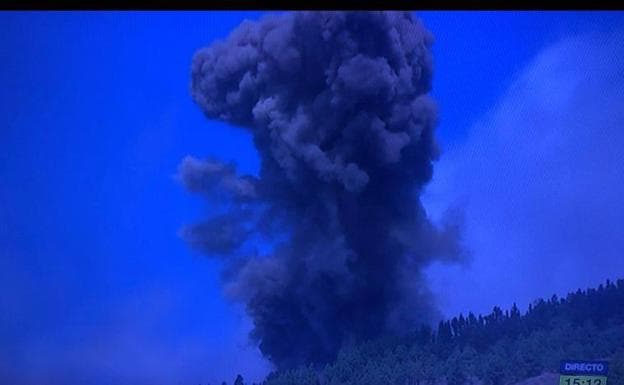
point(338, 108)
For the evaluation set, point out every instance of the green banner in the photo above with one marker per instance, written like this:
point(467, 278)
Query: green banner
point(582, 380)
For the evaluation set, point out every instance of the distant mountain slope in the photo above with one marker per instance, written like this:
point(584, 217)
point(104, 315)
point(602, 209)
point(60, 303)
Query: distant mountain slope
point(544, 379)
point(501, 348)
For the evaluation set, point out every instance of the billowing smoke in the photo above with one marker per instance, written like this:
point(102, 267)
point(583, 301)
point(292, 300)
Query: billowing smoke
point(338, 109)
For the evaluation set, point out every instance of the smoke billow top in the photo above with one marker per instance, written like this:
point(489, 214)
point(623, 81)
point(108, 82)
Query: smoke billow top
point(338, 109)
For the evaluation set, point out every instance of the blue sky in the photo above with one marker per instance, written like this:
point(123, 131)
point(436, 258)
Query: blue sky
point(95, 284)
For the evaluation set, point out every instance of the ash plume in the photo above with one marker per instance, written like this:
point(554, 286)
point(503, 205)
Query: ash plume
point(337, 105)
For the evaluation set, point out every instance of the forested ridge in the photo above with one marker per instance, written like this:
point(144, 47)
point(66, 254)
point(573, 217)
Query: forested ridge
point(500, 348)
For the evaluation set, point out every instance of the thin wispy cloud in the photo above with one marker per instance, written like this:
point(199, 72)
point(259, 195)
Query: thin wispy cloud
point(541, 178)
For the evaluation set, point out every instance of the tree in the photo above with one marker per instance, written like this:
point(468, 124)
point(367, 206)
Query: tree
point(493, 349)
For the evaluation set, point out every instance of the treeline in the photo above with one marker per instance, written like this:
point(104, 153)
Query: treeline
point(500, 348)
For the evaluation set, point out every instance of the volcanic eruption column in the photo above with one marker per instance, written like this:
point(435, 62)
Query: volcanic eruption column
point(337, 105)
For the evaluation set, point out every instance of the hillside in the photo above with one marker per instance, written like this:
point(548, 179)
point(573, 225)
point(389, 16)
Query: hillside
point(501, 348)
point(544, 379)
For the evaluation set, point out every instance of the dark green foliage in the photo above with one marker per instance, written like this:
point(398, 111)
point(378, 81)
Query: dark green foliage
point(239, 380)
point(496, 349)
